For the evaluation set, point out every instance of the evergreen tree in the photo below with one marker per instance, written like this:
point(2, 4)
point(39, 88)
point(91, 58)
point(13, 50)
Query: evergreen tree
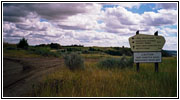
point(23, 43)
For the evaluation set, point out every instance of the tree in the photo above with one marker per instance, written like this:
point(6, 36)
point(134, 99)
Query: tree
point(55, 46)
point(23, 43)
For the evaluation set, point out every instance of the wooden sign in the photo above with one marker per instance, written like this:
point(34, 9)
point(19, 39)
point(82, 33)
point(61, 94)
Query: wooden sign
point(147, 57)
point(142, 42)
point(142, 45)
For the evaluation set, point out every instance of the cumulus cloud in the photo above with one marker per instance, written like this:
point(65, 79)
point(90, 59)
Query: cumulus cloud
point(171, 43)
point(50, 11)
point(117, 20)
point(162, 17)
point(168, 32)
point(14, 13)
point(120, 21)
point(80, 22)
point(123, 16)
point(10, 30)
point(85, 21)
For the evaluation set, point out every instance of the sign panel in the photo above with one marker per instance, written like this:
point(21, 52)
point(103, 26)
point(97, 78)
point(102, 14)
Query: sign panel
point(142, 42)
point(147, 57)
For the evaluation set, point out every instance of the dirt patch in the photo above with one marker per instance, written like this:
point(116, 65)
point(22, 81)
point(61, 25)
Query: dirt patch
point(19, 74)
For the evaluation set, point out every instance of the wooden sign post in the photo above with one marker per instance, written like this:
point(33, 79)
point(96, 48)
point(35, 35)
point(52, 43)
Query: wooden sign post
point(147, 48)
point(137, 64)
point(156, 64)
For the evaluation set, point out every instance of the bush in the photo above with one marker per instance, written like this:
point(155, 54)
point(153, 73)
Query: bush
point(23, 43)
point(109, 63)
point(74, 61)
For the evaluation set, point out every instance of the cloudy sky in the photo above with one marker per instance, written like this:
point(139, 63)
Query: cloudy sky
point(88, 24)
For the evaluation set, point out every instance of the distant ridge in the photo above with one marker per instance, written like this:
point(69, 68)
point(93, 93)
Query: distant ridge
point(171, 52)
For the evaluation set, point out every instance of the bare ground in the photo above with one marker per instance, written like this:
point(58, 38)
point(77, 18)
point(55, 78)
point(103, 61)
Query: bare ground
point(19, 74)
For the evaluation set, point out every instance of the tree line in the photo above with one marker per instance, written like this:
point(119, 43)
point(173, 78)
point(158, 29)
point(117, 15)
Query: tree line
point(116, 51)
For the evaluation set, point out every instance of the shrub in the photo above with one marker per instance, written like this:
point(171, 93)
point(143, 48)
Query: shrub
point(23, 43)
point(85, 52)
point(116, 63)
point(74, 61)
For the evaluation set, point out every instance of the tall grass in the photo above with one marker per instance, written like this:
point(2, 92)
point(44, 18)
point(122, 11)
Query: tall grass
point(95, 82)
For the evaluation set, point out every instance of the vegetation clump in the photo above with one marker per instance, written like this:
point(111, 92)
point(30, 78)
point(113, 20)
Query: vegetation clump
point(122, 62)
point(43, 51)
point(55, 46)
point(74, 61)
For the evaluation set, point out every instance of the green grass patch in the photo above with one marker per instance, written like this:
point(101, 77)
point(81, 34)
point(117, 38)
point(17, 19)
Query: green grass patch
point(43, 51)
point(18, 53)
point(13, 51)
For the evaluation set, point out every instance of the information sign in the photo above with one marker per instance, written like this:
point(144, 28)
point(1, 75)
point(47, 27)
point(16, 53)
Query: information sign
point(142, 42)
point(147, 57)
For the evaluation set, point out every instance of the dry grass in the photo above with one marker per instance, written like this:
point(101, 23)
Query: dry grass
point(95, 82)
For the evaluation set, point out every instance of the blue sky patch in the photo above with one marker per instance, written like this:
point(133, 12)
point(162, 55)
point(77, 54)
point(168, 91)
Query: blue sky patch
point(99, 30)
point(108, 6)
point(100, 22)
point(145, 7)
point(43, 20)
point(171, 26)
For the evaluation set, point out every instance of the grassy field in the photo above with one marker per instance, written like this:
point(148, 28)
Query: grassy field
point(95, 82)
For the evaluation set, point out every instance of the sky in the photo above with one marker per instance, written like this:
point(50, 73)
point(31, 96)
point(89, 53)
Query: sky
point(89, 24)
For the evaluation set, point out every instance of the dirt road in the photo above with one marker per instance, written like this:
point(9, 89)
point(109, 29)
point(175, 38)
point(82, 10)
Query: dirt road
point(19, 74)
